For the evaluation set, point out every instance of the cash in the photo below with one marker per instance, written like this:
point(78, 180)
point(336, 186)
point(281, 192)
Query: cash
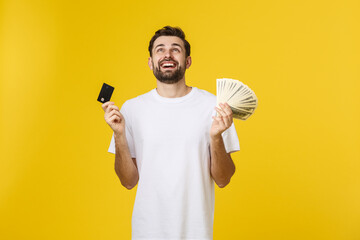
point(241, 99)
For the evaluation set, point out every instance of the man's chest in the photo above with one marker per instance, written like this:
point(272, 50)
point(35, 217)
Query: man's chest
point(172, 124)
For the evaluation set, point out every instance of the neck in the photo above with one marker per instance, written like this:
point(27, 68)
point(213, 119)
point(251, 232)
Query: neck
point(174, 90)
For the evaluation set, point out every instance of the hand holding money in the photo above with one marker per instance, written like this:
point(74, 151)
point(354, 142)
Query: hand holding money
point(222, 121)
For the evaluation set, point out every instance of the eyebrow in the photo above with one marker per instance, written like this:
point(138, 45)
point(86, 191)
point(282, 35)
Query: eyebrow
point(173, 44)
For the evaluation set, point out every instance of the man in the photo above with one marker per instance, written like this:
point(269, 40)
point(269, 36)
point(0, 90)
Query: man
point(170, 142)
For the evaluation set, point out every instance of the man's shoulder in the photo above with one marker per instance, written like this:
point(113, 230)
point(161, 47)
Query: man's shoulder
point(206, 95)
point(135, 101)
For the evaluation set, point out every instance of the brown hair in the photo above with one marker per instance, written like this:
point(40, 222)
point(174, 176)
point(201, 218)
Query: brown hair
point(170, 31)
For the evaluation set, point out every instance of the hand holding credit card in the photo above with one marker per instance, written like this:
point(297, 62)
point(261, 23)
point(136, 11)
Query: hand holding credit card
point(113, 117)
point(105, 93)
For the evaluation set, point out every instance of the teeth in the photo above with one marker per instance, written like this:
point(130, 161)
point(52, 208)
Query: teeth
point(168, 65)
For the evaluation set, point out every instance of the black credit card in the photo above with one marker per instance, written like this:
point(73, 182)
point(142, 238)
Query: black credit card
point(105, 93)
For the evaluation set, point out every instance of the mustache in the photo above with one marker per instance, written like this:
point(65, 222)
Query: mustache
point(168, 60)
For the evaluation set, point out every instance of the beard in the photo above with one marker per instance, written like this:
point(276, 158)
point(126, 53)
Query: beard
point(169, 77)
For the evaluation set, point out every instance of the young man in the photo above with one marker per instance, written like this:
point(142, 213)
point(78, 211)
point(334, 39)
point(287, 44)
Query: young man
point(170, 142)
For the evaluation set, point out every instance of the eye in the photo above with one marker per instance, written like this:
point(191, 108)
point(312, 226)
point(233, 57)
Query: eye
point(176, 50)
point(159, 50)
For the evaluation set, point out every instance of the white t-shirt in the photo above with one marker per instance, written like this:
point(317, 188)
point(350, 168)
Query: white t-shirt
point(169, 137)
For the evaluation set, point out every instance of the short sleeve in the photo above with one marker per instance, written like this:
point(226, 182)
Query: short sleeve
point(231, 140)
point(128, 131)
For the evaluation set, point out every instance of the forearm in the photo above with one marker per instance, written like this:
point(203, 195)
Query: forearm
point(125, 167)
point(222, 167)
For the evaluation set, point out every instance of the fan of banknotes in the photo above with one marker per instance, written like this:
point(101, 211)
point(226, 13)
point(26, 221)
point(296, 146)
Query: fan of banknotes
point(241, 99)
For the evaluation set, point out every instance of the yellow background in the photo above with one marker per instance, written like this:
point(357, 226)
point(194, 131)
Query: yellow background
point(298, 171)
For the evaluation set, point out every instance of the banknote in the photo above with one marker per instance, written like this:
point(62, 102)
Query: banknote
point(241, 99)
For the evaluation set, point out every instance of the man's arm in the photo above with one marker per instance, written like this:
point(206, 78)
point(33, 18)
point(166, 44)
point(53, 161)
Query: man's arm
point(222, 167)
point(125, 166)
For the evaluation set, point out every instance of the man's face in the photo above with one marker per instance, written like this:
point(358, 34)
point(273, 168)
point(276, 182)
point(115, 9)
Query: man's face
point(168, 60)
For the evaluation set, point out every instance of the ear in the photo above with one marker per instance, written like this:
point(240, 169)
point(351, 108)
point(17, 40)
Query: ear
point(150, 63)
point(188, 62)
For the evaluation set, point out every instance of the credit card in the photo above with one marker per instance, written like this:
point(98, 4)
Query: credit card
point(105, 93)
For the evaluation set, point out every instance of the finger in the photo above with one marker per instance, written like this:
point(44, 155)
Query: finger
point(112, 107)
point(225, 118)
point(227, 122)
point(114, 119)
point(228, 118)
point(115, 112)
point(220, 121)
point(115, 107)
point(215, 118)
point(220, 111)
point(227, 109)
point(106, 105)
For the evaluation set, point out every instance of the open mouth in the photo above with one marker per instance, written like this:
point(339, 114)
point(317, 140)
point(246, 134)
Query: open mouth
point(168, 65)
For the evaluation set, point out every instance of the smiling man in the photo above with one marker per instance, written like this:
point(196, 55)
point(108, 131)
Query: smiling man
point(172, 144)
point(168, 69)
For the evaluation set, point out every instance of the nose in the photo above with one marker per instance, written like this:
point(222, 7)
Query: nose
point(167, 53)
